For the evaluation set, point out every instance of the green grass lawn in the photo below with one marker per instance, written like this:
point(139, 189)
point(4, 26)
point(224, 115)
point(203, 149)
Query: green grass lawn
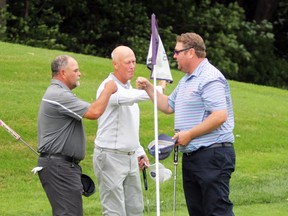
point(259, 186)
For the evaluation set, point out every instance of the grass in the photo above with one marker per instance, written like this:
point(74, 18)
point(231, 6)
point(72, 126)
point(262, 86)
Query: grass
point(259, 186)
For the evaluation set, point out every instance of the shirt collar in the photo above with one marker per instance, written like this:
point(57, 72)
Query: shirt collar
point(58, 82)
point(198, 70)
point(127, 85)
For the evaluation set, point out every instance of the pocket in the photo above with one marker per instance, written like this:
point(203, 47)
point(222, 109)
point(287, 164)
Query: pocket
point(99, 162)
point(225, 158)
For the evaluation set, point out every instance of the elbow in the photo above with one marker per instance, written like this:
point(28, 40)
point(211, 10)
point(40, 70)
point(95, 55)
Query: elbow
point(96, 116)
point(222, 117)
point(92, 115)
point(167, 110)
point(219, 117)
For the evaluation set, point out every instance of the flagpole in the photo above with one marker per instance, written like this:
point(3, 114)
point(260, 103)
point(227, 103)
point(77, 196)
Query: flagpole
point(156, 148)
point(154, 54)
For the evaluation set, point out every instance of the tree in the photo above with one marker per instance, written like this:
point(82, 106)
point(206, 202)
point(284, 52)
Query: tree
point(259, 10)
point(274, 11)
point(240, 42)
point(2, 18)
point(280, 30)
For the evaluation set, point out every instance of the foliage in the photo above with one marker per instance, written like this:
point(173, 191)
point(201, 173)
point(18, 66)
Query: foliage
point(281, 26)
point(264, 68)
point(242, 50)
point(3, 15)
point(96, 27)
point(39, 26)
point(222, 42)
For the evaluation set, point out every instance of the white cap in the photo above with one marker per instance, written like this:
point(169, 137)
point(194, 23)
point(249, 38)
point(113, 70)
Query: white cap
point(164, 173)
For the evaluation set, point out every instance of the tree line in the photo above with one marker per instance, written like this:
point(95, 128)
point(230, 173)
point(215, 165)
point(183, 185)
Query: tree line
point(246, 40)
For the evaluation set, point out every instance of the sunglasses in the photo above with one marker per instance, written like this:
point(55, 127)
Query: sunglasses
point(176, 52)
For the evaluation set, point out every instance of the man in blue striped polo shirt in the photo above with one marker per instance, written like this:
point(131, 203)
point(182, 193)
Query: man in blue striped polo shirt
point(204, 116)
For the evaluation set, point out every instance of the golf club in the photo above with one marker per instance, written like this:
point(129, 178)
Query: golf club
point(146, 187)
point(87, 182)
point(175, 174)
point(17, 136)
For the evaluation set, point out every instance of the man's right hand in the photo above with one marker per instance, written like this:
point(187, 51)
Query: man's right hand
point(142, 83)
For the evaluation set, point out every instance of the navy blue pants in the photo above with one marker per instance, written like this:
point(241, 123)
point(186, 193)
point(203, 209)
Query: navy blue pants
point(61, 181)
point(206, 177)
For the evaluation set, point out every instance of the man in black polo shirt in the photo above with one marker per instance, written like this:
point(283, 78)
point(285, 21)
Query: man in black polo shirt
point(61, 136)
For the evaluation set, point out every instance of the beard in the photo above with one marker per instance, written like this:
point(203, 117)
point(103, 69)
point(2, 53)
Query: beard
point(77, 83)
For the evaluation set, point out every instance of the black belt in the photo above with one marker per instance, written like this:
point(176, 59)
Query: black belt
point(66, 158)
point(215, 145)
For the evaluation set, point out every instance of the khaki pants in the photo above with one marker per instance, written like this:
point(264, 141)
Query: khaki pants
point(119, 183)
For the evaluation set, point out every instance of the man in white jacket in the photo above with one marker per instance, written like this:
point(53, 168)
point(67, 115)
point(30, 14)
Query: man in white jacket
point(117, 151)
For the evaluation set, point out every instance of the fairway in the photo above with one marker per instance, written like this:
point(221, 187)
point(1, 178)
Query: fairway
point(259, 186)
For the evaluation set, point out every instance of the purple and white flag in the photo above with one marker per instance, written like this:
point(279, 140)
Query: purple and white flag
point(157, 60)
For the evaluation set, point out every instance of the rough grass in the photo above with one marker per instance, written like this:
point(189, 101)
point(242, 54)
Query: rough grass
point(259, 186)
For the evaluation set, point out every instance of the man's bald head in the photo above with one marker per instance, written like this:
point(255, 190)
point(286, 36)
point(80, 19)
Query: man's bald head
point(121, 51)
point(124, 63)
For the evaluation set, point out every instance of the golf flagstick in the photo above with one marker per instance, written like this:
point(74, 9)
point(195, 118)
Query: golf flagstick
point(175, 175)
point(158, 63)
point(17, 136)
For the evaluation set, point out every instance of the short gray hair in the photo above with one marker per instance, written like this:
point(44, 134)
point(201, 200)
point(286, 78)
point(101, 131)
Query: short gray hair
point(58, 63)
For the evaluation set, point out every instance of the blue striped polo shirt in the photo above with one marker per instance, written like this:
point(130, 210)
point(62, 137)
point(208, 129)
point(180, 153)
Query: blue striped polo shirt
point(195, 97)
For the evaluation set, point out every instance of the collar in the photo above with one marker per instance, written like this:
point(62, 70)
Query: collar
point(198, 70)
point(59, 83)
point(126, 86)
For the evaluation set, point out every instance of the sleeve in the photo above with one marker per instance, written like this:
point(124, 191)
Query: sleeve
point(213, 94)
point(127, 97)
point(72, 106)
point(140, 151)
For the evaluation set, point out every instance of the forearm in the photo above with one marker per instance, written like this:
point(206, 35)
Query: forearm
point(98, 107)
point(162, 100)
point(214, 121)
